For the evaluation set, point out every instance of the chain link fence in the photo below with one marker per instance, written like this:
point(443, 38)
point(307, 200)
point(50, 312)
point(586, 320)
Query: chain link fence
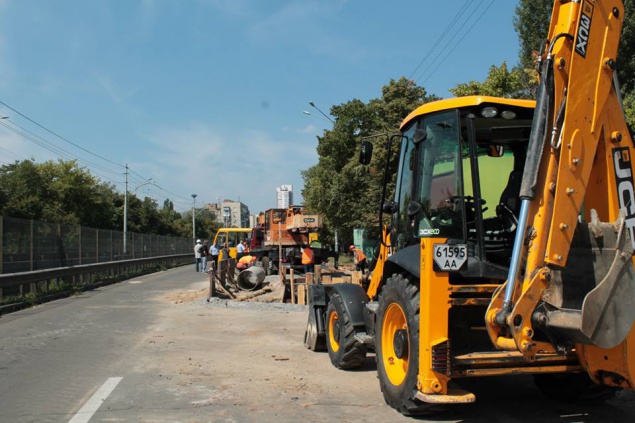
point(28, 245)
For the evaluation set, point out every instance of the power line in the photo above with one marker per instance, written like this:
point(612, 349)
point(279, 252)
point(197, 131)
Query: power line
point(459, 41)
point(48, 145)
point(450, 45)
point(441, 37)
point(59, 136)
point(42, 142)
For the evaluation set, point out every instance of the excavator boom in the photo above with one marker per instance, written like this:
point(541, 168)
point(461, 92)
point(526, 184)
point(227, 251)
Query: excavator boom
point(571, 285)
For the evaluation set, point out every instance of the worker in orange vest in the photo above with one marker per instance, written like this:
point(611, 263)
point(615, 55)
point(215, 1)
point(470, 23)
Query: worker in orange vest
point(360, 258)
point(308, 259)
point(246, 261)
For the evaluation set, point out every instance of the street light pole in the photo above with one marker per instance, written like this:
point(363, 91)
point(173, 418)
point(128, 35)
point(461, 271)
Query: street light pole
point(194, 218)
point(312, 104)
point(125, 215)
point(315, 116)
point(143, 184)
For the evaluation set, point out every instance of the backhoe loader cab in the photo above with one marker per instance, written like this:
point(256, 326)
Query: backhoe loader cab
point(459, 176)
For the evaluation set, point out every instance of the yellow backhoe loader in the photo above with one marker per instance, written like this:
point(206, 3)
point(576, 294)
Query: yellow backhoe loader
point(511, 238)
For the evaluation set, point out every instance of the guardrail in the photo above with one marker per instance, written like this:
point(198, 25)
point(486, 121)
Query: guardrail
point(34, 286)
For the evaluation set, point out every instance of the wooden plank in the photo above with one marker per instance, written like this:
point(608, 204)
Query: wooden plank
point(292, 278)
point(317, 273)
point(212, 283)
point(301, 294)
point(327, 278)
point(342, 279)
point(310, 280)
point(356, 277)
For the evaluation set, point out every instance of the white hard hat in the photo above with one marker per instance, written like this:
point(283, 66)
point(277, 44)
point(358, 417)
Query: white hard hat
point(198, 240)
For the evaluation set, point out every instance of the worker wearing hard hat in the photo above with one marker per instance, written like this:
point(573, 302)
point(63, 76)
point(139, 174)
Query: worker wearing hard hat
point(360, 258)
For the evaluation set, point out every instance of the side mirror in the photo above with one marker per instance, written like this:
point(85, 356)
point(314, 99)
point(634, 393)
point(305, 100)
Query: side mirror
point(365, 152)
point(389, 207)
point(495, 150)
point(420, 135)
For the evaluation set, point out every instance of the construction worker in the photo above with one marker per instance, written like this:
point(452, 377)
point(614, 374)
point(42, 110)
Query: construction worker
point(308, 259)
point(360, 258)
point(246, 262)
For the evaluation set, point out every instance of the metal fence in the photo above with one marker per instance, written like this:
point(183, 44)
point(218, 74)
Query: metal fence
point(28, 245)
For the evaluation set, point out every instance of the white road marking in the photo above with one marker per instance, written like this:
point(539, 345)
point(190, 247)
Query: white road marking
point(92, 405)
point(133, 282)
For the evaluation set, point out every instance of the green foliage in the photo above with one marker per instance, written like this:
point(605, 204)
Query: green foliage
point(532, 26)
point(54, 192)
point(63, 192)
point(626, 53)
point(629, 108)
point(344, 192)
point(500, 82)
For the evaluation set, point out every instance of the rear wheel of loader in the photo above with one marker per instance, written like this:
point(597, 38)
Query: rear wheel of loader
point(573, 387)
point(344, 350)
point(397, 344)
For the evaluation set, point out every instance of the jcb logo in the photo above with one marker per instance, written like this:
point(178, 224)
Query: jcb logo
point(625, 191)
point(584, 29)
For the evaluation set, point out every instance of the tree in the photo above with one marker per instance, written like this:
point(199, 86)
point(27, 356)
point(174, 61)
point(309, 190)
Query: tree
point(55, 192)
point(63, 192)
point(531, 23)
point(500, 82)
point(532, 26)
point(345, 193)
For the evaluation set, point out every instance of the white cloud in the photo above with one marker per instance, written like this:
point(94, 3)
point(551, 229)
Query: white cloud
point(309, 129)
point(239, 165)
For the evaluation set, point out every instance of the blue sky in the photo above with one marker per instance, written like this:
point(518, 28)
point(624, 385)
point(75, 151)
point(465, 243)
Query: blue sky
point(207, 96)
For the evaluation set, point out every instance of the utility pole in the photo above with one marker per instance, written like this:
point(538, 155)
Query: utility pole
point(125, 214)
point(194, 218)
point(312, 104)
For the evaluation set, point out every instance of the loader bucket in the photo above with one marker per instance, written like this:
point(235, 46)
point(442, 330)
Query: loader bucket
point(596, 297)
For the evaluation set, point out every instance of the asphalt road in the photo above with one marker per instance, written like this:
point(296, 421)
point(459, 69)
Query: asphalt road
point(154, 350)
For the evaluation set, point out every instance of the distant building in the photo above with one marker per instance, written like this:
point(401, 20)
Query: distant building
point(284, 196)
point(253, 221)
point(231, 214)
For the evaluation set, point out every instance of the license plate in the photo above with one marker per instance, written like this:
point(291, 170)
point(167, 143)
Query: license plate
point(450, 257)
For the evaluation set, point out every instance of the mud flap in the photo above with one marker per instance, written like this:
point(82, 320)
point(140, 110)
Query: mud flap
point(315, 336)
point(313, 340)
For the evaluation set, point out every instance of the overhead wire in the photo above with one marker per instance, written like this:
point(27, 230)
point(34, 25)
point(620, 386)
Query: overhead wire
point(37, 139)
point(441, 37)
point(59, 136)
point(459, 41)
point(456, 26)
point(50, 146)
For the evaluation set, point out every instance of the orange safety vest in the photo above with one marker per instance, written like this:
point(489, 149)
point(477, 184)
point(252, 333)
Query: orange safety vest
point(307, 256)
point(359, 255)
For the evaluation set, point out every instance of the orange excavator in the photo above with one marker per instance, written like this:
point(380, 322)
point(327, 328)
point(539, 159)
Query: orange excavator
point(511, 237)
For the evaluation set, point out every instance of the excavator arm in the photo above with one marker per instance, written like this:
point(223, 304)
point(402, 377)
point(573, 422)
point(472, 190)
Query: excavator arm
point(571, 284)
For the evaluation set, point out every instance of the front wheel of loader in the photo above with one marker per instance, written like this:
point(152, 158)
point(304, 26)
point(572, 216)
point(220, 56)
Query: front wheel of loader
point(345, 351)
point(573, 387)
point(397, 344)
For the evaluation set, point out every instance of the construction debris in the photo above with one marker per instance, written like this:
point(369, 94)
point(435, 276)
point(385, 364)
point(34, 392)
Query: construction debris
point(227, 283)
